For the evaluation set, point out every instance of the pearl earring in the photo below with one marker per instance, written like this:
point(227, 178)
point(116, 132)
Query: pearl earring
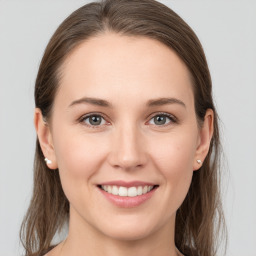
point(199, 161)
point(48, 161)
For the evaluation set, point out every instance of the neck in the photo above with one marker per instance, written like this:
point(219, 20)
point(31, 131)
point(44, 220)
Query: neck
point(83, 239)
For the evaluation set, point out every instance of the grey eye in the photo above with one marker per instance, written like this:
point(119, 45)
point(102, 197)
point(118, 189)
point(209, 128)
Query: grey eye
point(160, 120)
point(94, 120)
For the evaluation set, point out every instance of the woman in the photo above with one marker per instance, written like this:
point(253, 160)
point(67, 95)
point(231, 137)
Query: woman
point(128, 144)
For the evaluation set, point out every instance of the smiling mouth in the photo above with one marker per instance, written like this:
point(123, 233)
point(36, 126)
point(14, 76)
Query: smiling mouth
point(127, 191)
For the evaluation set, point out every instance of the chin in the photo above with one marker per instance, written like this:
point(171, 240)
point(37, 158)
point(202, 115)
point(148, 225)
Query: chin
point(128, 234)
point(128, 230)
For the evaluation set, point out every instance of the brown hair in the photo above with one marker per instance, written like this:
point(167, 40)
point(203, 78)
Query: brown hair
point(200, 217)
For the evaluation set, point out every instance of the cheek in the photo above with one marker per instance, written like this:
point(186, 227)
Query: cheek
point(175, 161)
point(78, 163)
point(175, 152)
point(79, 157)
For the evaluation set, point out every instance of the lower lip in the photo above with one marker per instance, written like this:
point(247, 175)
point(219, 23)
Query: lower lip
point(126, 201)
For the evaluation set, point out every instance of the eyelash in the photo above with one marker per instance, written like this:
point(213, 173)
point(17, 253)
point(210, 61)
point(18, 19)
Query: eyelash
point(162, 114)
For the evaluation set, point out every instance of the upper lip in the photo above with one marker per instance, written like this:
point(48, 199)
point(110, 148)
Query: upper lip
point(127, 184)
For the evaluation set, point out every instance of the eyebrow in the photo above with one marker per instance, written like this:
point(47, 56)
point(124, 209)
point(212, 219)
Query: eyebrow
point(150, 103)
point(165, 101)
point(92, 101)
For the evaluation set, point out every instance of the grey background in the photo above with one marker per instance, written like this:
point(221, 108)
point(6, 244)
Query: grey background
point(227, 30)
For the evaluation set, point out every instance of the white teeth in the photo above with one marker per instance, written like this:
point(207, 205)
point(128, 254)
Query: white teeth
point(145, 190)
point(132, 191)
point(139, 190)
point(124, 191)
point(115, 190)
point(150, 188)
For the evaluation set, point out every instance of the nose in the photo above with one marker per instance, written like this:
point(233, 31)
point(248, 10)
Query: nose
point(128, 150)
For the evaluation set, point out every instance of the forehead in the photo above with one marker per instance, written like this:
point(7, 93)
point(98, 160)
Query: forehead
point(111, 66)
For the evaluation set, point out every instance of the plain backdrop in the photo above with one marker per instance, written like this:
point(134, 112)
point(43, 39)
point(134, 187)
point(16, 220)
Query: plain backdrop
point(227, 30)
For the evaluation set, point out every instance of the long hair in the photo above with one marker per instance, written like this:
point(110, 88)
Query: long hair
point(200, 219)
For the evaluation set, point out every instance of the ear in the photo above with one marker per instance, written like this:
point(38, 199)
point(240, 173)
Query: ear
point(204, 140)
point(45, 138)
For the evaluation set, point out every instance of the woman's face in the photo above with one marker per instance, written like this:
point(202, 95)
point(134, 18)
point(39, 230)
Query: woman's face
point(124, 117)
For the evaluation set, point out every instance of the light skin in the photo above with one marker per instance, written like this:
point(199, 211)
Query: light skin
point(128, 143)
